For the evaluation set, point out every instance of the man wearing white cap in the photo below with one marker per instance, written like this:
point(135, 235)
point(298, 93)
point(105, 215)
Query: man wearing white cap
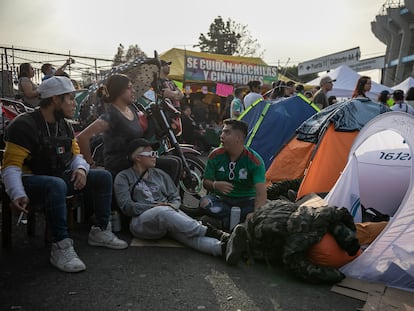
point(43, 165)
point(320, 98)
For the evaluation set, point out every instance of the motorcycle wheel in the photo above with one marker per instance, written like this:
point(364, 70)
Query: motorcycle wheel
point(190, 197)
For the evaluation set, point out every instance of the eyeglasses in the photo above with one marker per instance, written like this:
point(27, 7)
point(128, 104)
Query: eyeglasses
point(232, 166)
point(152, 154)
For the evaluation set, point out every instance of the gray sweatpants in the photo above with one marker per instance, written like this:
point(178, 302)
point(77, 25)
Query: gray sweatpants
point(159, 221)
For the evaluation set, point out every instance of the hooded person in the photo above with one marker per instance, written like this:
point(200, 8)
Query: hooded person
point(42, 165)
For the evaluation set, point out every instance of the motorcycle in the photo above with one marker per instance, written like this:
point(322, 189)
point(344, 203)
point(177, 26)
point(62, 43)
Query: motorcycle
point(10, 108)
point(167, 124)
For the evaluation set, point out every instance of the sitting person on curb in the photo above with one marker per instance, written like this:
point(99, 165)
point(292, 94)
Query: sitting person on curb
point(150, 197)
point(42, 164)
point(235, 175)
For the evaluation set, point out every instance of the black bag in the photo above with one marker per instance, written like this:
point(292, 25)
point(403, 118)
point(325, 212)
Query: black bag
point(372, 215)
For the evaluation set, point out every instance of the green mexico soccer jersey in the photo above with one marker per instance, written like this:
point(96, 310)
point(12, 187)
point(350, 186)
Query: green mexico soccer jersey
point(244, 173)
point(236, 106)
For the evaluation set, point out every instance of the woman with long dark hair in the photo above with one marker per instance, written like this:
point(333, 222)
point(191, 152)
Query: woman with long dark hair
point(27, 88)
point(121, 123)
point(362, 87)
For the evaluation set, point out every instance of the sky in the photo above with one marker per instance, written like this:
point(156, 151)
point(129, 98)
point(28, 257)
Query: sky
point(288, 31)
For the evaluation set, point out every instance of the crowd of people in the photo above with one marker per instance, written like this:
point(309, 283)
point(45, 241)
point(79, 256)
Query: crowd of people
point(397, 100)
point(28, 90)
point(200, 118)
point(45, 162)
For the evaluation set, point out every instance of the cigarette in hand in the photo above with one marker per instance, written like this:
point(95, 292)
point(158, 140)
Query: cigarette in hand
point(19, 220)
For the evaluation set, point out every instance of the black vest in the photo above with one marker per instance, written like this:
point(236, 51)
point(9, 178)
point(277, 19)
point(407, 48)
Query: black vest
point(53, 151)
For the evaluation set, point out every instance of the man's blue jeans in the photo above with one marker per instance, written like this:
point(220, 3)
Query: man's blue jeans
point(219, 207)
point(50, 192)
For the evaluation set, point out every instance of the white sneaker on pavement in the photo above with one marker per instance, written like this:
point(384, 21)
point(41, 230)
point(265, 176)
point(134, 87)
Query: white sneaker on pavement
point(106, 238)
point(64, 257)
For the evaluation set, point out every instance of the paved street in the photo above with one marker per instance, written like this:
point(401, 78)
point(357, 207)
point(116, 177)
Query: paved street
point(149, 278)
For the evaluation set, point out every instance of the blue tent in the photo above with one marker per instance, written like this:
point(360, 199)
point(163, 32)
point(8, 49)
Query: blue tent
point(273, 124)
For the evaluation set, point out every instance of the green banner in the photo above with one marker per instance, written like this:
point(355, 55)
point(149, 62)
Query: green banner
point(226, 71)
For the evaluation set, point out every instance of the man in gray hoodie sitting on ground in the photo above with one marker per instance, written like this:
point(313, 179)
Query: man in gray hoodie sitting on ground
point(150, 197)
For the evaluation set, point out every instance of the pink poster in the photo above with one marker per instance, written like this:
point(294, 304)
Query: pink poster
point(224, 89)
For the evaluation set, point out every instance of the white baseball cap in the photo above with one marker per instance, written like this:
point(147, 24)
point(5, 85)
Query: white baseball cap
point(56, 85)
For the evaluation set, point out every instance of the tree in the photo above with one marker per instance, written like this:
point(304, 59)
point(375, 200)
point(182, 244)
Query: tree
point(121, 56)
point(133, 52)
point(247, 45)
point(228, 38)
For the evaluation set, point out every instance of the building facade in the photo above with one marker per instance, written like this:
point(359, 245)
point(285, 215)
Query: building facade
point(394, 26)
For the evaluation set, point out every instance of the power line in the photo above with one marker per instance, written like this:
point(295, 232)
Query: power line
point(55, 53)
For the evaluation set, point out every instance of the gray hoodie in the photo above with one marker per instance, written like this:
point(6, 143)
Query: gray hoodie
point(135, 198)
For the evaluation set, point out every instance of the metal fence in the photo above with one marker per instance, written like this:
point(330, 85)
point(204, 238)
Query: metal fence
point(391, 4)
point(85, 70)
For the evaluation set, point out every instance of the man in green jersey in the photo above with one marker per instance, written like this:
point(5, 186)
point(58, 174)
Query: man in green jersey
point(237, 106)
point(235, 176)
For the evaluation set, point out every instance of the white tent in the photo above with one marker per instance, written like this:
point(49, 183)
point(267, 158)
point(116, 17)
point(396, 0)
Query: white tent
point(390, 258)
point(377, 175)
point(346, 80)
point(405, 85)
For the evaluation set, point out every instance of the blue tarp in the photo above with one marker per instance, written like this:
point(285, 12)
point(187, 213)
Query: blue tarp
point(279, 124)
point(347, 116)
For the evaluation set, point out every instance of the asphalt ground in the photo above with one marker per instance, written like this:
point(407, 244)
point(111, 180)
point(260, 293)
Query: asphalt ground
point(149, 278)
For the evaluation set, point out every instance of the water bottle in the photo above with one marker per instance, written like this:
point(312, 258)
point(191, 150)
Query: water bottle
point(234, 217)
point(115, 221)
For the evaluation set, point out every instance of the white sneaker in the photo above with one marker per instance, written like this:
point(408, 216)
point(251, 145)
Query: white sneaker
point(64, 257)
point(99, 237)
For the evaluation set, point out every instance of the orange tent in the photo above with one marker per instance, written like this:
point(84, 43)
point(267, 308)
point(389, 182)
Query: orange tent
point(328, 162)
point(291, 162)
point(325, 161)
point(320, 150)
